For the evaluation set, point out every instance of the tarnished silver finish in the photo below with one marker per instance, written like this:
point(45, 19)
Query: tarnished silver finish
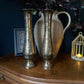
point(28, 50)
point(46, 50)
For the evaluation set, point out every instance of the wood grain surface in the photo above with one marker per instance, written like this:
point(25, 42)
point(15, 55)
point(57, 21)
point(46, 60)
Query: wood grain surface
point(65, 70)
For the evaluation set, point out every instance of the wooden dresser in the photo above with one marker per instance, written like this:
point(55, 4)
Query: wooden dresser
point(65, 71)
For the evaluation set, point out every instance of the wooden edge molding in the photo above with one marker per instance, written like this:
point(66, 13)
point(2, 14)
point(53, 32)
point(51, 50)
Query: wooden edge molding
point(24, 79)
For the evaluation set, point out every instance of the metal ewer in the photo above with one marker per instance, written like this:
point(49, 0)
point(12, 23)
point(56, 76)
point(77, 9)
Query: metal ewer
point(28, 50)
point(46, 50)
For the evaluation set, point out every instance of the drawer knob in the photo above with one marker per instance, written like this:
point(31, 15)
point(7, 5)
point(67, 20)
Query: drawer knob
point(2, 77)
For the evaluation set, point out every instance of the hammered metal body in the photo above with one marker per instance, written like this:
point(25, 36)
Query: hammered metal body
point(46, 48)
point(28, 49)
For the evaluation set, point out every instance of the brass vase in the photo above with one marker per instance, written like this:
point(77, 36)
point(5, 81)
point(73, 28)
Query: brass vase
point(28, 50)
point(46, 49)
point(49, 34)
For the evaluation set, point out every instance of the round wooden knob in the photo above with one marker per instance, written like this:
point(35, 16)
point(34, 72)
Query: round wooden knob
point(2, 77)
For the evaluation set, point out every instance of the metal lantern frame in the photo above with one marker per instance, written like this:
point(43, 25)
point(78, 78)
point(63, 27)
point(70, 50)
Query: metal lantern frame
point(78, 48)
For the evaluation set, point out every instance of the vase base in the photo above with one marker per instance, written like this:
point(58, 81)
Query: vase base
point(29, 64)
point(47, 65)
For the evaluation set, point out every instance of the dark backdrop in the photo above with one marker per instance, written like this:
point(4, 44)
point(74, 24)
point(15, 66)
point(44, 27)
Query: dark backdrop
point(11, 17)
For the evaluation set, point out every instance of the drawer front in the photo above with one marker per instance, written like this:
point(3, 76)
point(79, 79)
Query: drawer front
point(2, 79)
point(5, 79)
point(9, 77)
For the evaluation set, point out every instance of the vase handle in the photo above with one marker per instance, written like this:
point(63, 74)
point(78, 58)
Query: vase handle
point(69, 19)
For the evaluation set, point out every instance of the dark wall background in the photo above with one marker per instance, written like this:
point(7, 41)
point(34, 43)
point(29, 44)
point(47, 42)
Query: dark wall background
point(11, 17)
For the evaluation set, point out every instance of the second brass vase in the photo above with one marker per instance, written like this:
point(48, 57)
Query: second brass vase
point(28, 50)
point(46, 48)
point(49, 34)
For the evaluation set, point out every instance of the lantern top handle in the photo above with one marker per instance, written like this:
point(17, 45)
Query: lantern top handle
point(80, 33)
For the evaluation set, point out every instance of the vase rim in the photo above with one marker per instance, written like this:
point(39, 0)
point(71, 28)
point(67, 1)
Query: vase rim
point(27, 9)
point(50, 10)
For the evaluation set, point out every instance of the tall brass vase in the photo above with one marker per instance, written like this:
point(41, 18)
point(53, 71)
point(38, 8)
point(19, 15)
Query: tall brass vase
point(46, 50)
point(28, 50)
point(49, 34)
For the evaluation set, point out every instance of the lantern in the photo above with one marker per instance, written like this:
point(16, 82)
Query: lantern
point(78, 48)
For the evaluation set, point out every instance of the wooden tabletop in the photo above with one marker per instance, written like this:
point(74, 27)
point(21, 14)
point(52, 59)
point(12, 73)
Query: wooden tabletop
point(65, 69)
